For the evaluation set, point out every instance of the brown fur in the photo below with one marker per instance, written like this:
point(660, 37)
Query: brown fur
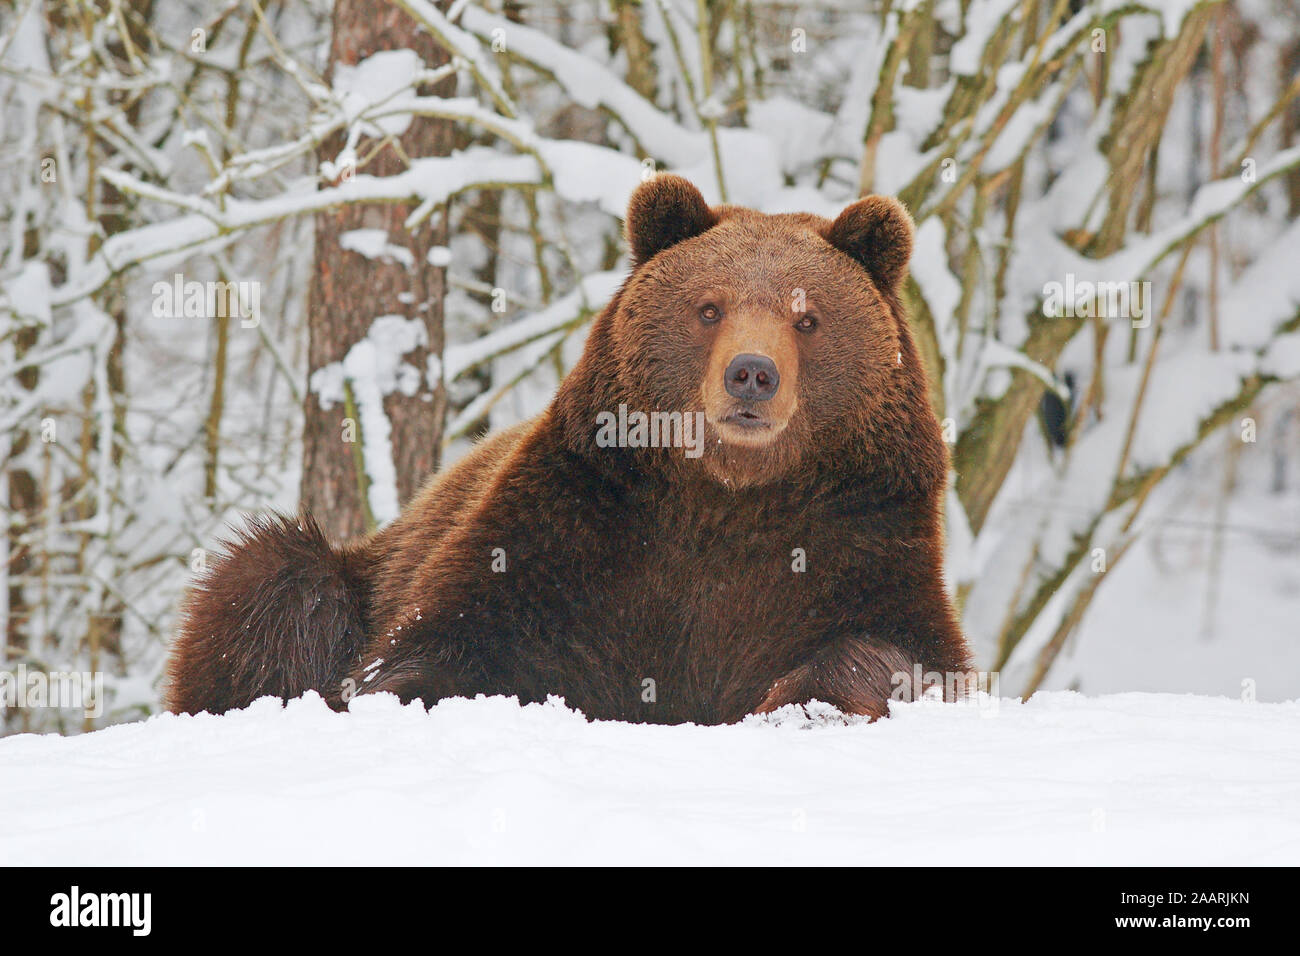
point(641, 584)
point(277, 614)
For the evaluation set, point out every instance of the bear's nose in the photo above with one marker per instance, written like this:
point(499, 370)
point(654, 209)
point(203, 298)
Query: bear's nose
point(752, 377)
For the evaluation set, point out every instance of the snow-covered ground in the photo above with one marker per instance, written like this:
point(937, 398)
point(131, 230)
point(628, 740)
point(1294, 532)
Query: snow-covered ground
point(1130, 778)
point(1207, 599)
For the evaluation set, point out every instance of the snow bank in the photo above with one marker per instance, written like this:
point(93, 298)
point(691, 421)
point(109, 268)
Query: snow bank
point(1133, 778)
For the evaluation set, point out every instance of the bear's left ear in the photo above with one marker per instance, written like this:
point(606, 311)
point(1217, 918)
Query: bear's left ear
point(877, 232)
point(662, 212)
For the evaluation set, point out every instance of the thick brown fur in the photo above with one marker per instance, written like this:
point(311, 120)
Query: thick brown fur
point(797, 559)
point(277, 614)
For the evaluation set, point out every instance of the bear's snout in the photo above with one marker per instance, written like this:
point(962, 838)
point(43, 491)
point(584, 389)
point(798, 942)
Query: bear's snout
point(752, 378)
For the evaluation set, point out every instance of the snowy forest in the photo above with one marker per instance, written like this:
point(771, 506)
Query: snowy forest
point(264, 254)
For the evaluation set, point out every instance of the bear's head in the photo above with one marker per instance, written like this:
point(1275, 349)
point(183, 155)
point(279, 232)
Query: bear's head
point(785, 331)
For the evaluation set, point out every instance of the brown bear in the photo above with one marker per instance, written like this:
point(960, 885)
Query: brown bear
point(791, 552)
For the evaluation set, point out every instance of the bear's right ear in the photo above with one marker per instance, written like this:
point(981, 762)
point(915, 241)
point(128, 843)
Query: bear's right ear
point(877, 232)
point(662, 212)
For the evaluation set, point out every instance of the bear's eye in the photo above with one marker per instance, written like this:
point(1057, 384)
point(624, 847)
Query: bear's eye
point(806, 323)
point(710, 313)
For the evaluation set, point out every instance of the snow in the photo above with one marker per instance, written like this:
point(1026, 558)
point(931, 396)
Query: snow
point(27, 293)
point(431, 180)
point(375, 368)
point(584, 172)
point(897, 162)
point(1061, 779)
point(797, 130)
point(1211, 202)
point(1020, 129)
point(983, 18)
point(389, 75)
point(374, 244)
point(1162, 591)
point(593, 292)
point(751, 169)
point(1283, 358)
point(940, 289)
point(466, 49)
point(591, 85)
point(1267, 294)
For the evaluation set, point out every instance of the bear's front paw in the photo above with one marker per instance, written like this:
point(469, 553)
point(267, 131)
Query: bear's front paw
point(785, 690)
point(855, 675)
point(800, 688)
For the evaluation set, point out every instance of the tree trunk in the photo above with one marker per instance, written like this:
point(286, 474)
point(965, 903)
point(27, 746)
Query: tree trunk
point(348, 290)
